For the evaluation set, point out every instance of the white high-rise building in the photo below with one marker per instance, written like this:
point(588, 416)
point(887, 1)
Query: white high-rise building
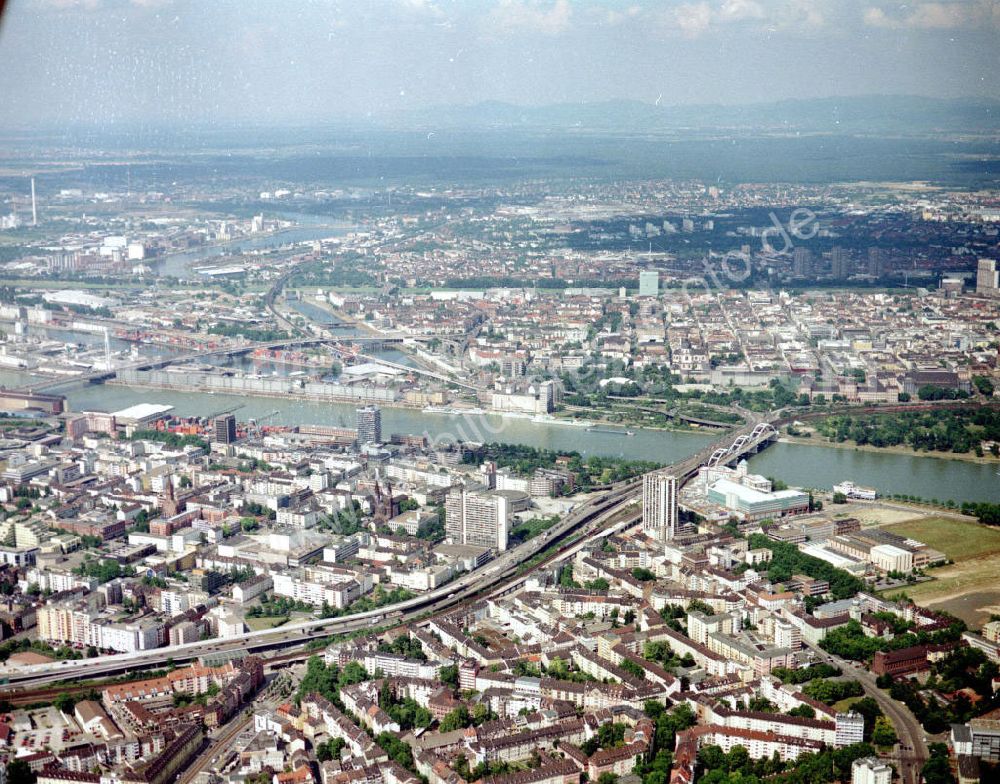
point(870, 770)
point(649, 283)
point(988, 278)
point(477, 518)
point(850, 729)
point(369, 425)
point(659, 505)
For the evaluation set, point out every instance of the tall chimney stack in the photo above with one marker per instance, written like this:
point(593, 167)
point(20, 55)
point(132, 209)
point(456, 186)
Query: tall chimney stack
point(34, 204)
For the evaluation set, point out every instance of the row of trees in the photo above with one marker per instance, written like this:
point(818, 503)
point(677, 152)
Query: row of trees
point(737, 767)
point(850, 642)
point(986, 513)
point(590, 471)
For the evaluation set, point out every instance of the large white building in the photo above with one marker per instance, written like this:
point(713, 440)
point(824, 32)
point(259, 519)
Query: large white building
point(659, 506)
point(871, 770)
point(649, 283)
point(63, 623)
point(889, 558)
point(850, 729)
point(477, 518)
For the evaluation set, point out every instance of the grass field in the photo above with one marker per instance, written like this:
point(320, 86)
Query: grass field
point(265, 622)
point(960, 540)
point(842, 706)
point(966, 588)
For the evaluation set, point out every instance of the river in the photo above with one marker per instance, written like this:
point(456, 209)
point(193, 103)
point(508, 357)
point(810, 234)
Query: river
point(798, 464)
point(179, 264)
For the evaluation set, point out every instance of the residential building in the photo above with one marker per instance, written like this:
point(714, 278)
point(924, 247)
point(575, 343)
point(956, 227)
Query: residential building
point(659, 506)
point(369, 425)
point(478, 518)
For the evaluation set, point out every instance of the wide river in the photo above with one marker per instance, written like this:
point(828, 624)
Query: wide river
point(802, 465)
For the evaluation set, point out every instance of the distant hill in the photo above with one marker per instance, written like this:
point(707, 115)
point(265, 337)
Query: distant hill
point(861, 114)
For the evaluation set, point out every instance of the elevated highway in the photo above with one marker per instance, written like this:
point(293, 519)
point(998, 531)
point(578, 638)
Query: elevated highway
point(610, 510)
point(467, 587)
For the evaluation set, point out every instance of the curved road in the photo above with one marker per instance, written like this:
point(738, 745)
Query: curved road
point(911, 752)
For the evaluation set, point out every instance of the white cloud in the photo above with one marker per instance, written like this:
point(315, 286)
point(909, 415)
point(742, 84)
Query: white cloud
point(613, 16)
point(693, 19)
point(548, 19)
point(876, 17)
point(95, 5)
point(807, 14)
point(65, 5)
point(738, 10)
point(423, 7)
point(939, 15)
point(936, 15)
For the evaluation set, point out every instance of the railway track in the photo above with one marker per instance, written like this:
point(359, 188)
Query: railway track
point(215, 747)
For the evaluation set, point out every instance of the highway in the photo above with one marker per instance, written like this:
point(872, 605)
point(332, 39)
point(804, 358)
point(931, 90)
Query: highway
point(501, 575)
point(466, 587)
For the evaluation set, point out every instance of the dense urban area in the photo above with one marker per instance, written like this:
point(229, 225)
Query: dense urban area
point(441, 483)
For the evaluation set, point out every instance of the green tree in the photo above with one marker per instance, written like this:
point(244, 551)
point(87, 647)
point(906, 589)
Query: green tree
point(455, 720)
point(883, 734)
point(20, 772)
point(449, 675)
point(937, 769)
point(330, 750)
point(65, 702)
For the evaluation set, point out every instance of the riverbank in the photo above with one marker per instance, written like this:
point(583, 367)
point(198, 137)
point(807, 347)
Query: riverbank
point(626, 424)
point(154, 261)
point(968, 457)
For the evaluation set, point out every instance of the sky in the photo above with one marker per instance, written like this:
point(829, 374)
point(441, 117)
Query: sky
point(274, 62)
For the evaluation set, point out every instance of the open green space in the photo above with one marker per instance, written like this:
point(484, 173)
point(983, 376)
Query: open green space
point(959, 539)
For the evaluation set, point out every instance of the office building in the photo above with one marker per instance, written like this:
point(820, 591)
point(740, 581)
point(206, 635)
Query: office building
point(980, 738)
point(649, 283)
point(224, 429)
point(477, 518)
point(369, 425)
point(870, 770)
point(659, 506)
point(751, 504)
point(987, 278)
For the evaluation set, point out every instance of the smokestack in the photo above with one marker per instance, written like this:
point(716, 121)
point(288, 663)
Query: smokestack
point(34, 205)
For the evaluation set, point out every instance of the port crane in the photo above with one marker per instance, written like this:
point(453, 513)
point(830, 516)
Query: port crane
point(254, 425)
point(231, 410)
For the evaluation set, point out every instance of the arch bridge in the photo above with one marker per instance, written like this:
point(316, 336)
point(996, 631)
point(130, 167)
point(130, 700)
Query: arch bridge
point(747, 443)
